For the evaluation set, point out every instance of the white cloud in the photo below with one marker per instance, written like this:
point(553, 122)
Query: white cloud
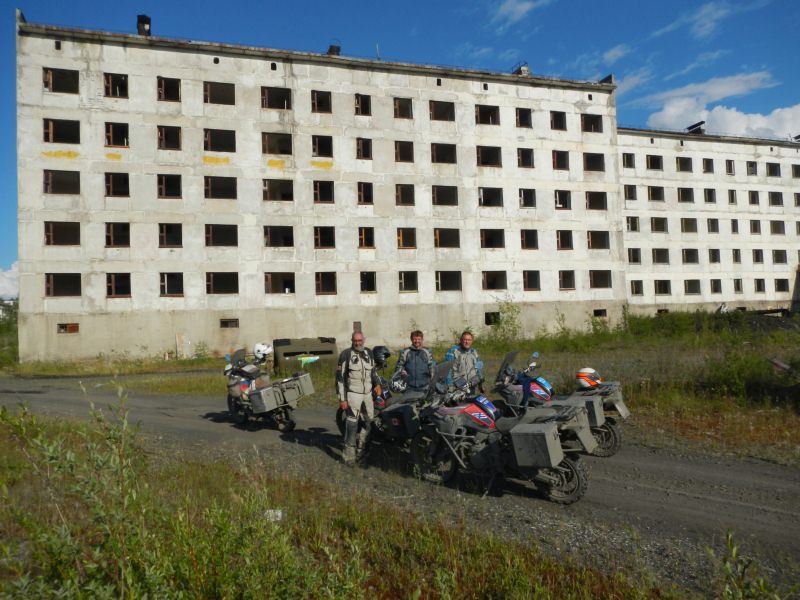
point(714, 89)
point(633, 80)
point(703, 60)
point(781, 123)
point(9, 282)
point(701, 23)
point(614, 54)
point(511, 12)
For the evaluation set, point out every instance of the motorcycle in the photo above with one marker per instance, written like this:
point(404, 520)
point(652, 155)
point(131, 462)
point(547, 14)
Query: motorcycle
point(252, 396)
point(473, 436)
point(604, 404)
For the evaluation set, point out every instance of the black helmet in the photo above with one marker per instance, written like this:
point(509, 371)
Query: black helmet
point(381, 355)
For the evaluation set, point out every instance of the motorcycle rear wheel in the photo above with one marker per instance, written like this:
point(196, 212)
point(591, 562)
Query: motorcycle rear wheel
point(432, 459)
point(341, 417)
point(284, 420)
point(609, 439)
point(573, 477)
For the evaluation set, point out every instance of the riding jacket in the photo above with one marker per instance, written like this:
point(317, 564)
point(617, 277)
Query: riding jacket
point(419, 365)
point(355, 372)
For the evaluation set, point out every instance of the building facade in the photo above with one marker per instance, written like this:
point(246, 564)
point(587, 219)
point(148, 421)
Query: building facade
point(173, 193)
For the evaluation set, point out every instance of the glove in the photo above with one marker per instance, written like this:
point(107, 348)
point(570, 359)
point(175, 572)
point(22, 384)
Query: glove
point(378, 390)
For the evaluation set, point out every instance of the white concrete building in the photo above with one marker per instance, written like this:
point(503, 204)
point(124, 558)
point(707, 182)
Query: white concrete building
point(203, 192)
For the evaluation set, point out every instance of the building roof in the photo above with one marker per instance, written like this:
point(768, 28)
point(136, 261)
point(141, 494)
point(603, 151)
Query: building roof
point(707, 137)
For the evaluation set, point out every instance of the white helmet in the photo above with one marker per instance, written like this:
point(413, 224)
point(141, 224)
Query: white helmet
point(588, 379)
point(261, 351)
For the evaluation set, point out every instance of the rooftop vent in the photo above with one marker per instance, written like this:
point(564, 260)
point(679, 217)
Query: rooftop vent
point(521, 69)
point(334, 50)
point(143, 25)
point(607, 79)
point(696, 128)
point(796, 138)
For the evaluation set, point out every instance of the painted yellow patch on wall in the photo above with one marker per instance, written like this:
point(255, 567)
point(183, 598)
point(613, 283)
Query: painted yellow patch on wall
point(216, 160)
point(61, 154)
point(276, 163)
point(322, 164)
point(113, 156)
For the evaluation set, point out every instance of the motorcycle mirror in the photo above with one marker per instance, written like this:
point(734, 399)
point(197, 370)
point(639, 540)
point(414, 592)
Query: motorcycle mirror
point(535, 355)
point(228, 357)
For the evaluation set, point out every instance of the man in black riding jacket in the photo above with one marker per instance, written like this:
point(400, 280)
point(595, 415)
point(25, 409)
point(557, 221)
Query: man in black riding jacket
point(416, 364)
point(356, 377)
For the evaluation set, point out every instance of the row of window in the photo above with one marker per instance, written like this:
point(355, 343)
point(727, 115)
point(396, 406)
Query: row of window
point(663, 287)
point(691, 256)
point(684, 164)
point(118, 285)
point(689, 225)
point(655, 193)
point(115, 85)
point(170, 235)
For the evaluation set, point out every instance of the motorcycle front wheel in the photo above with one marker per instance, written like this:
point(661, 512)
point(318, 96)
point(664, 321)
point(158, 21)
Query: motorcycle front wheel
point(341, 417)
point(238, 414)
point(284, 421)
point(573, 480)
point(609, 439)
point(432, 459)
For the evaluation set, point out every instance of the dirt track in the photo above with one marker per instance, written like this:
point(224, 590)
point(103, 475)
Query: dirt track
point(654, 508)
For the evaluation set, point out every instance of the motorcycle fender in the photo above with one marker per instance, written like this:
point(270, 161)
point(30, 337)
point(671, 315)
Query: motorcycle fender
point(537, 445)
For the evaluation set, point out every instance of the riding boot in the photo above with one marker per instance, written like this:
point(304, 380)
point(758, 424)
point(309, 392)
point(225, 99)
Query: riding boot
point(350, 439)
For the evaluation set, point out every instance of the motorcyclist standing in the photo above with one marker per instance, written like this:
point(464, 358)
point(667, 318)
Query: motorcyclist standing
point(466, 362)
point(416, 364)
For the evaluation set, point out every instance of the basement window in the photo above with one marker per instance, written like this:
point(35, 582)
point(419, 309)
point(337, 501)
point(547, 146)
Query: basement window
point(489, 156)
point(563, 239)
point(490, 196)
point(215, 92)
point(524, 118)
point(442, 111)
point(169, 186)
point(117, 134)
point(599, 280)
point(560, 160)
point(566, 280)
point(325, 283)
point(60, 131)
point(563, 199)
point(596, 201)
point(407, 281)
point(406, 238)
point(115, 85)
point(529, 239)
point(494, 280)
point(446, 238)
point(118, 285)
point(443, 153)
point(364, 193)
point(403, 108)
point(62, 284)
point(363, 105)
point(221, 235)
point(222, 282)
point(169, 89)
point(278, 236)
point(558, 120)
point(229, 323)
point(491, 318)
point(62, 233)
point(63, 81)
point(527, 198)
point(171, 284)
point(223, 188)
point(598, 240)
point(280, 190)
point(322, 146)
point(68, 328)
point(170, 235)
point(368, 281)
point(219, 140)
point(279, 282)
point(62, 182)
point(118, 235)
point(531, 281)
point(323, 192)
point(168, 137)
point(276, 97)
point(525, 158)
point(324, 238)
point(448, 281)
point(117, 185)
point(276, 143)
point(487, 115)
point(321, 101)
point(493, 238)
point(404, 194)
point(592, 123)
point(404, 151)
point(444, 195)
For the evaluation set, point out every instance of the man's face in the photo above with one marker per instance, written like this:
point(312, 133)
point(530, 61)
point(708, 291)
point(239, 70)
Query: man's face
point(358, 341)
point(466, 341)
point(416, 342)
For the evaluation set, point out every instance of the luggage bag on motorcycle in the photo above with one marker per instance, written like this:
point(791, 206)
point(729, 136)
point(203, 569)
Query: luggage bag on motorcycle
point(537, 445)
point(593, 405)
point(265, 400)
point(295, 388)
point(400, 421)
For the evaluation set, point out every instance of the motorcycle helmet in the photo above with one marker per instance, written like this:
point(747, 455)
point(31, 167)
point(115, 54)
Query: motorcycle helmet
point(587, 379)
point(381, 355)
point(398, 385)
point(261, 351)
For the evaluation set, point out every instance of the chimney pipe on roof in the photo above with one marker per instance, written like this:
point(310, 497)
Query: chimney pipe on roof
point(143, 25)
point(334, 50)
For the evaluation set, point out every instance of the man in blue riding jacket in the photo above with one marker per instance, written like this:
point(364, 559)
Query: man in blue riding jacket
point(416, 364)
point(356, 377)
point(466, 362)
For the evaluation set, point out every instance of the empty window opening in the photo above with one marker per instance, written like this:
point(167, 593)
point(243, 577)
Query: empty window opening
point(407, 281)
point(215, 92)
point(690, 256)
point(563, 239)
point(716, 286)
point(596, 201)
point(221, 282)
point(61, 131)
point(655, 193)
point(530, 281)
point(489, 156)
point(221, 235)
point(655, 162)
point(713, 255)
point(594, 162)
point(278, 190)
point(487, 115)
point(276, 97)
point(363, 105)
point(599, 279)
point(404, 151)
point(118, 285)
point(279, 282)
point(325, 282)
point(752, 167)
point(171, 284)
point(169, 89)
point(490, 196)
point(683, 164)
point(691, 287)
point(276, 143)
point(404, 194)
point(558, 120)
point(688, 225)
point(403, 108)
point(443, 153)
point(118, 235)
point(491, 318)
point(777, 228)
point(753, 197)
point(760, 286)
point(712, 225)
point(229, 323)
point(659, 225)
point(660, 256)
point(525, 158)
point(366, 237)
point(446, 238)
point(442, 111)
point(62, 233)
point(708, 165)
point(729, 168)
point(68, 328)
point(755, 226)
point(117, 134)
point(278, 236)
point(62, 182)
point(368, 281)
point(170, 235)
point(62, 81)
point(776, 198)
point(117, 184)
point(524, 117)
point(710, 195)
point(737, 286)
point(115, 85)
point(323, 192)
point(219, 140)
point(169, 186)
point(632, 224)
point(406, 237)
point(223, 188)
point(600, 313)
point(527, 198)
point(364, 148)
point(592, 123)
point(780, 257)
point(566, 280)
point(168, 137)
point(598, 240)
point(773, 169)
point(685, 195)
point(364, 192)
point(444, 195)
point(781, 285)
point(494, 280)
point(324, 238)
point(630, 192)
point(731, 196)
point(796, 171)
point(628, 160)
point(563, 199)
point(635, 256)
point(448, 281)
point(736, 255)
point(62, 284)
point(637, 287)
point(529, 239)
point(321, 101)
point(561, 160)
point(662, 287)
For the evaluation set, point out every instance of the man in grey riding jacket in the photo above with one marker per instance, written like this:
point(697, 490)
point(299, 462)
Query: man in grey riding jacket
point(356, 377)
point(416, 364)
point(466, 362)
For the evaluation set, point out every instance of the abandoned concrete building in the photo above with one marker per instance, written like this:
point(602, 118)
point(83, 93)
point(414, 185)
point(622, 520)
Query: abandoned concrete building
point(178, 193)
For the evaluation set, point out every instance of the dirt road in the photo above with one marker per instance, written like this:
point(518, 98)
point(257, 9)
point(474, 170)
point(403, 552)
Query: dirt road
point(657, 509)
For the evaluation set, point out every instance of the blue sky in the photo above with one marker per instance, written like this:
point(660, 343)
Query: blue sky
point(732, 63)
